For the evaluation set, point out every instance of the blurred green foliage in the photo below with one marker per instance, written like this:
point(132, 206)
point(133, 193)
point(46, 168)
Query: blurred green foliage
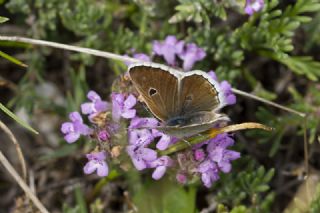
point(238, 48)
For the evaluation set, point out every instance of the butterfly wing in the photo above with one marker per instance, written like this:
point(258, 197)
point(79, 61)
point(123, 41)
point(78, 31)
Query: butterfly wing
point(158, 88)
point(198, 122)
point(199, 93)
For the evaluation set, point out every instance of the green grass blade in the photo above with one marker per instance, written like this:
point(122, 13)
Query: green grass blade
point(18, 120)
point(12, 59)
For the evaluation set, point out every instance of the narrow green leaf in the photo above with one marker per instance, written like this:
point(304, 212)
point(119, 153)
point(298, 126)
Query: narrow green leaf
point(81, 203)
point(3, 19)
point(18, 120)
point(12, 59)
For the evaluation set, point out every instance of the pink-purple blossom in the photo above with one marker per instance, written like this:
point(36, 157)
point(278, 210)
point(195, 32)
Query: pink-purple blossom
point(96, 163)
point(123, 106)
point(253, 6)
point(169, 48)
point(191, 54)
point(95, 106)
point(74, 129)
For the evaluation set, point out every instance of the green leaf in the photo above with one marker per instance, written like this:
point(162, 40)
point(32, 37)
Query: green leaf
point(81, 203)
point(18, 120)
point(12, 59)
point(3, 19)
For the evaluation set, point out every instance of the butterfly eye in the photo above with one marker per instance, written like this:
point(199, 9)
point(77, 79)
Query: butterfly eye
point(152, 92)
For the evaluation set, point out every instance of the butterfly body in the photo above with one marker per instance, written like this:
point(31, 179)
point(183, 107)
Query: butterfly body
point(185, 102)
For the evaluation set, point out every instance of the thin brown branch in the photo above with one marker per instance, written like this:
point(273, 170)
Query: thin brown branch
point(22, 184)
point(17, 147)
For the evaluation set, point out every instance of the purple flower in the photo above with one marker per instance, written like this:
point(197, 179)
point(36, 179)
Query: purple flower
point(103, 135)
point(160, 166)
point(95, 106)
point(218, 153)
point(253, 6)
point(140, 137)
point(181, 178)
point(209, 172)
point(141, 156)
point(164, 141)
point(199, 155)
point(137, 122)
point(74, 129)
point(213, 75)
point(150, 123)
point(122, 107)
point(229, 97)
point(168, 48)
point(96, 163)
point(140, 56)
point(190, 55)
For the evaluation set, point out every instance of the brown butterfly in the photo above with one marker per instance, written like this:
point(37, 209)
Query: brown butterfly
point(185, 102)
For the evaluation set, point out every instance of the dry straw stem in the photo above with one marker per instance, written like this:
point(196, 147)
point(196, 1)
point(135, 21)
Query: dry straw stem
point(18, 149)
point(22, 184)
point(236, 127)
point(126, 59)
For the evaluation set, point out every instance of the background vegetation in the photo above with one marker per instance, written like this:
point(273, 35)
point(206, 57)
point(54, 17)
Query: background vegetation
point(273, 54)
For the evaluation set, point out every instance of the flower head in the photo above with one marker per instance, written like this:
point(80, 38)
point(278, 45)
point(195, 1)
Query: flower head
point(218, 153)
point(169, 48)
point(122, 107)
point(95, 106)
point(190, 55)
point(74, 129)
point(96, 163)
point(253, 6)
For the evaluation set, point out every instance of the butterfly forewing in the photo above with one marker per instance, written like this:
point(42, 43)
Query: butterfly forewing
point(158, 88)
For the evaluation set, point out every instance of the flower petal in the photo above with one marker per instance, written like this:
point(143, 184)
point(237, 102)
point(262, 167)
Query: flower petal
point(102, 169)
point(159, 172)
point(87, 108)
point(67, 127)
point(90, 167)
point(130, 102)
point(72, 137)
point(93, 96)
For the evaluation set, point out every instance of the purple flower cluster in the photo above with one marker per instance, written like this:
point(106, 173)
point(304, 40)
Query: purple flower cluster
point(145, 141)
point(218, 158)
point(171, 47)
point(140, 138)
point(253, 6)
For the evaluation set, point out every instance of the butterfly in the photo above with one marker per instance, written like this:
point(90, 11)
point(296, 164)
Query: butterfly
point(186, 103)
